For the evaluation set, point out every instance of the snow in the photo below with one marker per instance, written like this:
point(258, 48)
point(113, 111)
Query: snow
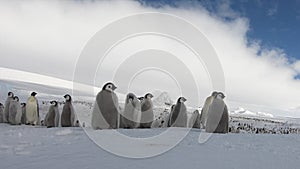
point(30, 147)
point(35, 147)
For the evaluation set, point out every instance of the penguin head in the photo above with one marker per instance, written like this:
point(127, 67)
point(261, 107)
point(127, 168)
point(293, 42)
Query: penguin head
point(131, 97)
point(54, 103)
point(220, 95)
point(214, 93)
point(23, 104)
point(33, 94)
point(148, 96)
point(181, 100)
point(109, 87)
point(68, 98)
point(141, 98)
point(10, 94)
point(16, 98)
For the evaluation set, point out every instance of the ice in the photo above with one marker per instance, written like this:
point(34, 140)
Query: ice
point(31, 147)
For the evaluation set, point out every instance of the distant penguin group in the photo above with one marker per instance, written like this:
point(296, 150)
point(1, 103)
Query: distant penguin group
point(16, 113)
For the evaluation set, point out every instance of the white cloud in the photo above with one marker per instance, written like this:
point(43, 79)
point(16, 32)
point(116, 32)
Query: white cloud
point(46, 37)
point(296, 66)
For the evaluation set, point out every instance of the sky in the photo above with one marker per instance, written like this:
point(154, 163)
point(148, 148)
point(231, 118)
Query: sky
point(256, 43)
point(275, 23)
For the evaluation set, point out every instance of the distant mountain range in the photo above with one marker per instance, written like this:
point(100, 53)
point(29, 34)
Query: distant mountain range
point(243, 112)
point(162, 98)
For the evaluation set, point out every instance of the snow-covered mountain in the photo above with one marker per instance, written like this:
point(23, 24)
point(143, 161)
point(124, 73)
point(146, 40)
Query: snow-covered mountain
point(162, 99)
point(244, 112)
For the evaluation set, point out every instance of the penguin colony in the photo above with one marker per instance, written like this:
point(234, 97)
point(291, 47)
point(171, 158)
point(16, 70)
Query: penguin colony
point(16, 113)
point(138, 112)
point(106, 113)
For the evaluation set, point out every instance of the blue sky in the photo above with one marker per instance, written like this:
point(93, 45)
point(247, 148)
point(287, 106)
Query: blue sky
point(275, 23)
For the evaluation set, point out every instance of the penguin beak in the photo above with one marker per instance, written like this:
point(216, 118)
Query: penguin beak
point(114, 87)
point(184, 99)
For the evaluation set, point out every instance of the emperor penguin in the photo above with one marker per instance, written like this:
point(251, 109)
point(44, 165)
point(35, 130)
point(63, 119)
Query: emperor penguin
point(195, 120)
point(1, 112)
point(68, 114)
point(218, 118)
point(32, 110)
point(147, 111)
point(156, 123)
point(52, 117)
point(179, 114)
point(10, 96)
point(204, 111)
point(15, 112)
point(141, 99)
point(106, 108)
point(168, 118)
point(18, 118)
point(131, 113)
point(77, 124)
point(23, 118)
point(165, 121)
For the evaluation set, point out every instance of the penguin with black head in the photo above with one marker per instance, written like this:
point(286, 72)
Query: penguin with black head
point(32, 110)
point(68, 114)
point(9, 99)
point(195, 120)
point(218, 118)
point(147, 111)
point(106, 108)
point(52, 117)
point(131, 113)
point(23, 118)
point(179, 114)
point(15, 111)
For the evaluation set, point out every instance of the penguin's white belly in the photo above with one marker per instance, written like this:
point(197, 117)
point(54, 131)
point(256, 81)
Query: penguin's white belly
point(31, 112)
